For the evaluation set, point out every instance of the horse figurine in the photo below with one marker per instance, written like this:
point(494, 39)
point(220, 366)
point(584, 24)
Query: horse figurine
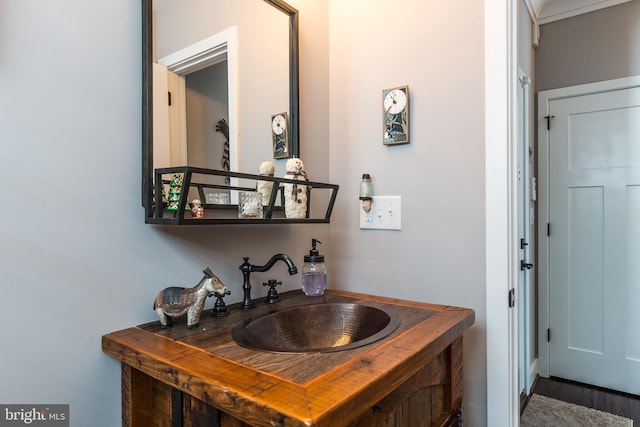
point(175, 301)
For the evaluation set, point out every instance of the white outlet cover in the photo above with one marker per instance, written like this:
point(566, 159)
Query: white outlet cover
point(385, 214)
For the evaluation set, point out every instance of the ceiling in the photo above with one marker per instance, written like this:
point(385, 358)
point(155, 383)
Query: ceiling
point(544, 11)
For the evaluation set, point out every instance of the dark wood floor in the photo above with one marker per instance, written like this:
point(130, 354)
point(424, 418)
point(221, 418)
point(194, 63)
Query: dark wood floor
point(625, 405)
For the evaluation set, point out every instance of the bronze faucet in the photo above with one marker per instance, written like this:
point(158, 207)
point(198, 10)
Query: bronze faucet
point(247, 268)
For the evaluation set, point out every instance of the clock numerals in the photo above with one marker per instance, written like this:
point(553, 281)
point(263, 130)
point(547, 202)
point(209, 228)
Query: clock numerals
point(395, 115)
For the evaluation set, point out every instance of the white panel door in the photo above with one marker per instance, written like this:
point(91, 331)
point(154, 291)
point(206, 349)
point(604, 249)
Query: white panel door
point(161, 137)
point(594, 243)
point(169, 120)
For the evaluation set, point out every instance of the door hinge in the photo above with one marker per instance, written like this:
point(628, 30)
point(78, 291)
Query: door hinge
point(548, 229)
point(169, 98)
point(548, 118)
point(525, 265)
point(512, 298)
point(549, 335)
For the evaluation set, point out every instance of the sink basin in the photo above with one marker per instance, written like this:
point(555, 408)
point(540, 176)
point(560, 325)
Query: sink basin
point(316, 328)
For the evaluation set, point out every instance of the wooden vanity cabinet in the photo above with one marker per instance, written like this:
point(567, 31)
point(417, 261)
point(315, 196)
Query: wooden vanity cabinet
point(199, 377)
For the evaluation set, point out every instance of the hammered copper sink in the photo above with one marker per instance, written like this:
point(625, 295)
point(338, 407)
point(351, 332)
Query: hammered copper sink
point(317, 328)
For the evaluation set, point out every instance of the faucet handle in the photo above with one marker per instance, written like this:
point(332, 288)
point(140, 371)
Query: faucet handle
point(220, 308)
point(272, 295)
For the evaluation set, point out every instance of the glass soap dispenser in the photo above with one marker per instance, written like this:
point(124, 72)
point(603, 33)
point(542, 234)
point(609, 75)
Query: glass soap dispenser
point(314, 272)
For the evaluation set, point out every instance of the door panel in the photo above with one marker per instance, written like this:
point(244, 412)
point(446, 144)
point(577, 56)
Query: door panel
point(594, 212)
point(633, 268)
point(585, 293)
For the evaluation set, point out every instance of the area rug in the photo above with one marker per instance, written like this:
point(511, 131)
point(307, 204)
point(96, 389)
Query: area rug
point(543, 411)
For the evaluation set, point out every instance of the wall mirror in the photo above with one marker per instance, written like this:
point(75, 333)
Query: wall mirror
point(217, 60)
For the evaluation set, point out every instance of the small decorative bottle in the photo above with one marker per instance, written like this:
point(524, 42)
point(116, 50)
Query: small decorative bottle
point(366, 192)
point(314, 272)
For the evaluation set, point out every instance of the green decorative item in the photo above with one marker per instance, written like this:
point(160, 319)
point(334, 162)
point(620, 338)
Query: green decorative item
point(175, 191)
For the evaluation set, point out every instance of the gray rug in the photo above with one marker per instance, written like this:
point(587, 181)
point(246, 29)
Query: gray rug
point(543, 411)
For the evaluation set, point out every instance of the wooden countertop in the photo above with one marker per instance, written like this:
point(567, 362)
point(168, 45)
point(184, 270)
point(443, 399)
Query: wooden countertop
point(261, 388)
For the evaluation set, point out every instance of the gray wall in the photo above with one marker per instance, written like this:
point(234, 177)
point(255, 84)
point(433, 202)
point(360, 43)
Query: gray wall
point(437, 49)
point(596, 46)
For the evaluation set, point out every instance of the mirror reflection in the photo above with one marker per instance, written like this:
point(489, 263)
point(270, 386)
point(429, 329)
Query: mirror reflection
point(220, 70)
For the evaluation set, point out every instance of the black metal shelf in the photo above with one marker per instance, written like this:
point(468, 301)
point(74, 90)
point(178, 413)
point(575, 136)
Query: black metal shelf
point(273, 213)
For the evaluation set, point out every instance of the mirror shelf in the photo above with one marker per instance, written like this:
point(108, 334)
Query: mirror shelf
point(196, 183)
point(150, 56)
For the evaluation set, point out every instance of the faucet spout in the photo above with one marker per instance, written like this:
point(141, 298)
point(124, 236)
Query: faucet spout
point(277, 257)
point(247, 268)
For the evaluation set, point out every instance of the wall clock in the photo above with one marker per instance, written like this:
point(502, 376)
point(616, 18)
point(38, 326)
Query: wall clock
point(280, 135)
point(395, 115)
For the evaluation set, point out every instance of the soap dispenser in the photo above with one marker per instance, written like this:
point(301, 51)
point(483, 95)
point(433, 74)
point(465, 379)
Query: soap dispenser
point(314, 272)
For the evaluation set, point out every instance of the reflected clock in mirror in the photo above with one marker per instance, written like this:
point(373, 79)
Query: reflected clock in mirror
point(208, 60)
point(280, 136)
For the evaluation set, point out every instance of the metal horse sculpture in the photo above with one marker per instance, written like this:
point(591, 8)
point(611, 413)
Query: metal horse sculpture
point(175, 301)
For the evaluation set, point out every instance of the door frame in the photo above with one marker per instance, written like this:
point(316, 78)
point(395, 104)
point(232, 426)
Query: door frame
point(220, 47)
point(525, 292)
point(544, 100)
point(501, 231)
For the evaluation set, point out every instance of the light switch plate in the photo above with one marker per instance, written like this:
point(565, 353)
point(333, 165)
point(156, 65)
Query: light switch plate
point(385, 214)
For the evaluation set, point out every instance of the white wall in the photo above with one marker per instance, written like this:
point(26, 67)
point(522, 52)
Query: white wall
point(77, 261)
point(437, 49)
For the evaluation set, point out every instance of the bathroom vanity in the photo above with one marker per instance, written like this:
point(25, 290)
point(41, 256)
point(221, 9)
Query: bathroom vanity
point(201, 377)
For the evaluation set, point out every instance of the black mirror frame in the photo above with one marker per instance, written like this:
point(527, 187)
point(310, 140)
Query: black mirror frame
point(147, 94)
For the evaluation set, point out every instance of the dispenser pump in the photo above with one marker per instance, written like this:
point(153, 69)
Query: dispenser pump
point(314, 272)
point(314, 255)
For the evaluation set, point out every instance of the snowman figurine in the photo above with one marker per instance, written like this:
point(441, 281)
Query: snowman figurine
point(295, 195)
point(265, 187)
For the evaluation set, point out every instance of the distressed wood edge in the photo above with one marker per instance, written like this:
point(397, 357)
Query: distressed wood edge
point(389, 379)
point(125, 374)
point(391, 300)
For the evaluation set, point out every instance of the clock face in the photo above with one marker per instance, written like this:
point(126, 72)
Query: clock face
point(395, 101)
point(279, 124)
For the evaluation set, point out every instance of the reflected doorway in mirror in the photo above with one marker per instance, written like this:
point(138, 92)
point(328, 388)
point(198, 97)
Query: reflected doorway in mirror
point(182, 67)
